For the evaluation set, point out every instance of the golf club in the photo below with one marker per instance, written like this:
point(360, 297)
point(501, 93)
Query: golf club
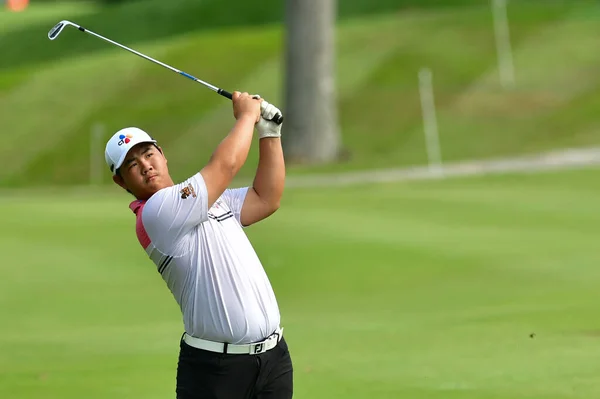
point(58, 28)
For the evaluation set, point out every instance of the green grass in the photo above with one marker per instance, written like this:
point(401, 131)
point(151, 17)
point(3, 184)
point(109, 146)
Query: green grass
point(408, 290)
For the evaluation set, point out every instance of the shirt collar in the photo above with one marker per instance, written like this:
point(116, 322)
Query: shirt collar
point(136, 205)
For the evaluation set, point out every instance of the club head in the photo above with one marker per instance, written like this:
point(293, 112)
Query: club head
point(56, 29)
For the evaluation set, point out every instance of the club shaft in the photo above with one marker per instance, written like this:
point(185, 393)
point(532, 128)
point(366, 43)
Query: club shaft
point(55, 31)
point(187, 75)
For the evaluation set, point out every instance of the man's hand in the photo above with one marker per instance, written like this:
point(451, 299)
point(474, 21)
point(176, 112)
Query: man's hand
point(246, 105)
point(265, 127)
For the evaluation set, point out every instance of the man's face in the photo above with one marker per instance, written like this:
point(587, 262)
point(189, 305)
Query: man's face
point(144, 171)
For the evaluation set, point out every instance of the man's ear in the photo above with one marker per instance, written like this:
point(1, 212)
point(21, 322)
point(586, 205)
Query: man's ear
point(119, 180)
point(163, 154)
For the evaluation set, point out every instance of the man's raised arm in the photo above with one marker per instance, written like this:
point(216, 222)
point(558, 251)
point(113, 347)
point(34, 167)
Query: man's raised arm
point(264, 196)
point(231, 153)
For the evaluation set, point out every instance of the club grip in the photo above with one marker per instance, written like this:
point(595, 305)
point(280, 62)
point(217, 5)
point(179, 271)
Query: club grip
point(277, 118)
point(225, 93)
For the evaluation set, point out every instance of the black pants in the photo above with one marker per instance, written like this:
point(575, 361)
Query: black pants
point(209, 375)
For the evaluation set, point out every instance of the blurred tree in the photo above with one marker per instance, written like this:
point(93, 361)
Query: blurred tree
point(311, 130)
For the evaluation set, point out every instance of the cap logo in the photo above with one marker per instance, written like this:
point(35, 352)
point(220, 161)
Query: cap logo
point(124, 139)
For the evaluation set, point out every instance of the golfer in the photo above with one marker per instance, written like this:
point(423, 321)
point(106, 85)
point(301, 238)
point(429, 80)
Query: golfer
point(193, 231)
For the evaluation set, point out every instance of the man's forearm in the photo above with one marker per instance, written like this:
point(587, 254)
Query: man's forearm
point(270, 174)
point(233, 149)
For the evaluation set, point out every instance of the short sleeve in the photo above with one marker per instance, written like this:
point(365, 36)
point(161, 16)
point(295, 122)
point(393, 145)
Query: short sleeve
point(234, 198)
point(174, 211)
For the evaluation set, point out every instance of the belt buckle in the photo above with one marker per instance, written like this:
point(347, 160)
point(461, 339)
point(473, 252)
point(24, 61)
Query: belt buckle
point(261, 347)
point(258, 348)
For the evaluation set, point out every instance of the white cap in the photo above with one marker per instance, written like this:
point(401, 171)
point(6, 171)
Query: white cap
point(120, 143)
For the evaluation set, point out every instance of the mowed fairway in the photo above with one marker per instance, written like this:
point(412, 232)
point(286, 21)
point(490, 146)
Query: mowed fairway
point(410, 290)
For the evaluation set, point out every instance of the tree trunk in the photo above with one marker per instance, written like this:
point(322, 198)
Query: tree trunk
point(310, 132)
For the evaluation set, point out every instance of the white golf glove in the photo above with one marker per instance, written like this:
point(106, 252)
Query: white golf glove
point(266, 127)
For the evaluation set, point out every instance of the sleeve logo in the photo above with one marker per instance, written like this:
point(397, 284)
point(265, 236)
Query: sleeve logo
point(187, 191)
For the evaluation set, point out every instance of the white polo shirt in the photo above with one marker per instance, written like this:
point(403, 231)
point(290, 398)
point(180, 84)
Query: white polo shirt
point(208, 263)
